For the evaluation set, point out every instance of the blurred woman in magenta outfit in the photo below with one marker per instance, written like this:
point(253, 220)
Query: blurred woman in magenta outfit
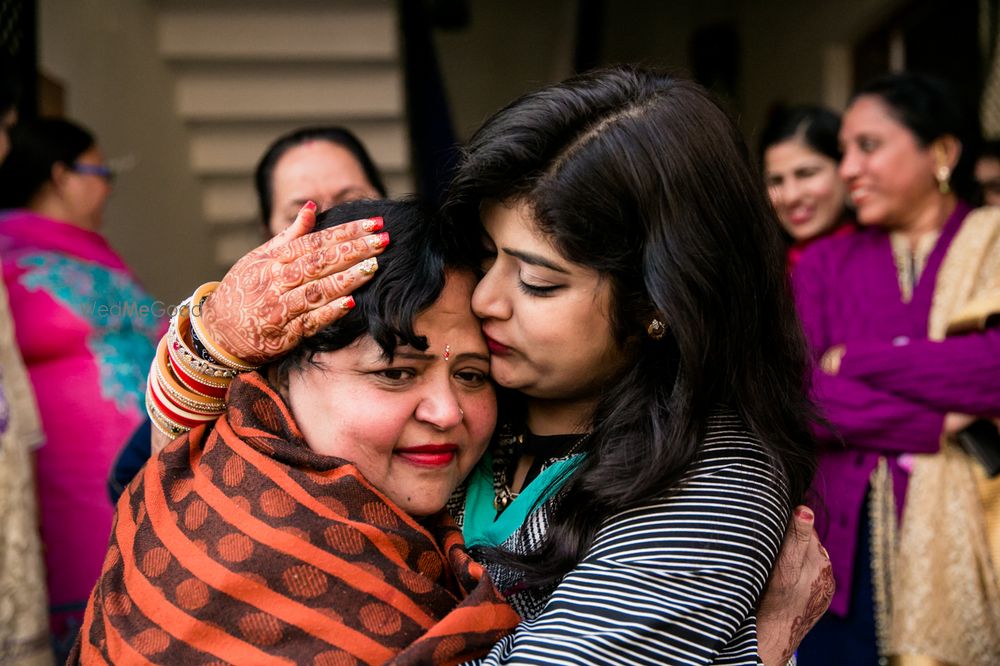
point(876, 306)
point(86, 330)
point(800, 155)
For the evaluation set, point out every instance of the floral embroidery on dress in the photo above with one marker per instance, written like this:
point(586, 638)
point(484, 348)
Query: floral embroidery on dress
point(120, 313)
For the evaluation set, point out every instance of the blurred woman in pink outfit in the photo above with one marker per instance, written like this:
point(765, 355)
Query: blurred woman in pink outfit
point(86, 330)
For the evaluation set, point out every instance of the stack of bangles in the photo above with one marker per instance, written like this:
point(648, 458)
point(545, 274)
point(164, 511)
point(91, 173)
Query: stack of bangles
point(187, 382)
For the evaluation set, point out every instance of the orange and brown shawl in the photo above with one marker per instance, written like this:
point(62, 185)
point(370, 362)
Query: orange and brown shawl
point(238, 544)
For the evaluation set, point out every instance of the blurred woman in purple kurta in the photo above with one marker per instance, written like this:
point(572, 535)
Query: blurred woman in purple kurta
point(876, 307)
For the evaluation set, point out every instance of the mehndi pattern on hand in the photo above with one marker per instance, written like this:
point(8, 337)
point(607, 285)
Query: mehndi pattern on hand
point(291, 287)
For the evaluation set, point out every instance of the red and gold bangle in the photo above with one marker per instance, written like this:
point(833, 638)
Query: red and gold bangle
point(171, 392)
point(173, 411)
point(182, 354)
point(162, 423)
point(192, 383)
point(198, 378)
point(169, 382)
point(228, 360)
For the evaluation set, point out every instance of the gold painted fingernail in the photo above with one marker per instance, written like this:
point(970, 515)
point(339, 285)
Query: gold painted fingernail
point(823, 552)
point(373, 224)
point(368, 266)
point(379, 241)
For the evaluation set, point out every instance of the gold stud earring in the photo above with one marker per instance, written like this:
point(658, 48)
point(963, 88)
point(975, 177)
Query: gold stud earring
point(656, 329)
point(942, 175)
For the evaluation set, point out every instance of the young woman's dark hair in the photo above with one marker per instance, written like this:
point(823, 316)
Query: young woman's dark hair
point(990, 148)
point(10, 88)
point(930, 109)
point(816, 127)
point(410, 279)
point(643, 178)
point(340, 136)
point(35, 147)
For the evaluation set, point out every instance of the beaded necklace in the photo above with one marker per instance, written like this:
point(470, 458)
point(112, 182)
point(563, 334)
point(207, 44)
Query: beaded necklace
point(510, 447)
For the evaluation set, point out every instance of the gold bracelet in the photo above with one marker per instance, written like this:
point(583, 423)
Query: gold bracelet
point(199, 379)
point(160, 421)
point(197, 301)
point(185, 355)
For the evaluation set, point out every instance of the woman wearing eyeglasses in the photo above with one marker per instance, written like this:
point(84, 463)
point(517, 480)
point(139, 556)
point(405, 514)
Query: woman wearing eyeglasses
point(86, 330)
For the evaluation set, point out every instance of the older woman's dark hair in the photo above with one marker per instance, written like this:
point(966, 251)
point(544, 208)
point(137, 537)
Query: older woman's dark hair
point(645, 179)
point(263, 175)
point(35, 147)
point(930, 109)
point(410, 279)
point(816, 127)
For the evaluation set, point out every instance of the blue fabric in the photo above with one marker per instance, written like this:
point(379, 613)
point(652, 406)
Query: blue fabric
point(481, 526)
point(130, 460)
point(835, 641)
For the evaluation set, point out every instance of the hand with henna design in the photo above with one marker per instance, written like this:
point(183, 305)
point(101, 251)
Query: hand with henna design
point(291, 287)
point(797, 594)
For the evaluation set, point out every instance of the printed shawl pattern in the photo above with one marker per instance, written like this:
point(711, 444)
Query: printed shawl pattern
point(946, 596)
point(239, 544)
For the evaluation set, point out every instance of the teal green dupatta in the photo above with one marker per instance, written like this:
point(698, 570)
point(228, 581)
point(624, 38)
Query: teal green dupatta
point(481, 525)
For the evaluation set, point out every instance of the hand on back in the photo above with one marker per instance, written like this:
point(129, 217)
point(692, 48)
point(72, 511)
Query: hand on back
point(799, 591)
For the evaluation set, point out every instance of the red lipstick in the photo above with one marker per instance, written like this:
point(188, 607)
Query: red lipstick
point(429, 455)
point(496, 347)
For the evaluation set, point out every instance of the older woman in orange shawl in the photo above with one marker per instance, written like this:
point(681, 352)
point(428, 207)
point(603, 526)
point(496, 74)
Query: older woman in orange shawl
point(307, 525)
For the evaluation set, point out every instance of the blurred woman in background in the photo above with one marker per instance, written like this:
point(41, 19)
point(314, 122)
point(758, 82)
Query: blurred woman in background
point(87, 332)
point(800, 156)
point(326, 165)
point(882, 309)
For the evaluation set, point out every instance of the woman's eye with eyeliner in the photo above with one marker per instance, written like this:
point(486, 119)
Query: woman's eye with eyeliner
point(536, 290)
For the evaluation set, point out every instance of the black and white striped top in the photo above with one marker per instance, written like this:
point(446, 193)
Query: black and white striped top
point(675, 581)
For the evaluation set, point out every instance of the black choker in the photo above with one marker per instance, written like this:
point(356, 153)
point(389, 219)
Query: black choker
point(511, 447)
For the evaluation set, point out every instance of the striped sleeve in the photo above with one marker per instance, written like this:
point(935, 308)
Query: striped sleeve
point(674, 581)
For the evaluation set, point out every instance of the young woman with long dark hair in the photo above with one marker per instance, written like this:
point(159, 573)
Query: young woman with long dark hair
point(655, 427)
